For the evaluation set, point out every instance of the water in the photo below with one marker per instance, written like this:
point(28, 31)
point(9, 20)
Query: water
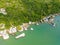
point(43, 34)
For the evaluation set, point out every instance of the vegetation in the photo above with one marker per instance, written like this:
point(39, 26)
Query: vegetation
point(20, 11)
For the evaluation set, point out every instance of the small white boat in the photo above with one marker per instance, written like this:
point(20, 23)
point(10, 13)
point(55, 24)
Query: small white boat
point(4, 34)
point(12, 30)
point(32, 29)
point(21, 35)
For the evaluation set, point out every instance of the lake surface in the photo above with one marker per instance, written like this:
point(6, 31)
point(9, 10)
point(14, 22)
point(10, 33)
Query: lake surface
point(43, 34)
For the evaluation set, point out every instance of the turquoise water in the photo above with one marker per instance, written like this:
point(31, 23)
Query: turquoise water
point(43, 34)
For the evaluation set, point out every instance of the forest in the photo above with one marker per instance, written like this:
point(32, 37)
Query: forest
point(23, 11)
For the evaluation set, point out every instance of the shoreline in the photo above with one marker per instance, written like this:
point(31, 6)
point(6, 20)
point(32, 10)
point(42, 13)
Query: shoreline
point(23, 27)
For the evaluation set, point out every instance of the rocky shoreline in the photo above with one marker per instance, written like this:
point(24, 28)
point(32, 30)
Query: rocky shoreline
point(5, 33)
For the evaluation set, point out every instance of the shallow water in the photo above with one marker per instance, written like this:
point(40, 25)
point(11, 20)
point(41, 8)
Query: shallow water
point(43, 34)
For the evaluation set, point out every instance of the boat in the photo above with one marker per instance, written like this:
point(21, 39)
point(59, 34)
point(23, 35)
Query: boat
point(21, 35)
point(32, 29)
point(12, 30)
point(4, 34)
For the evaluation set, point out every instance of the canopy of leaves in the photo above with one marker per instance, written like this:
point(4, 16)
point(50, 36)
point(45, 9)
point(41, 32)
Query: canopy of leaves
point(22, 11)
